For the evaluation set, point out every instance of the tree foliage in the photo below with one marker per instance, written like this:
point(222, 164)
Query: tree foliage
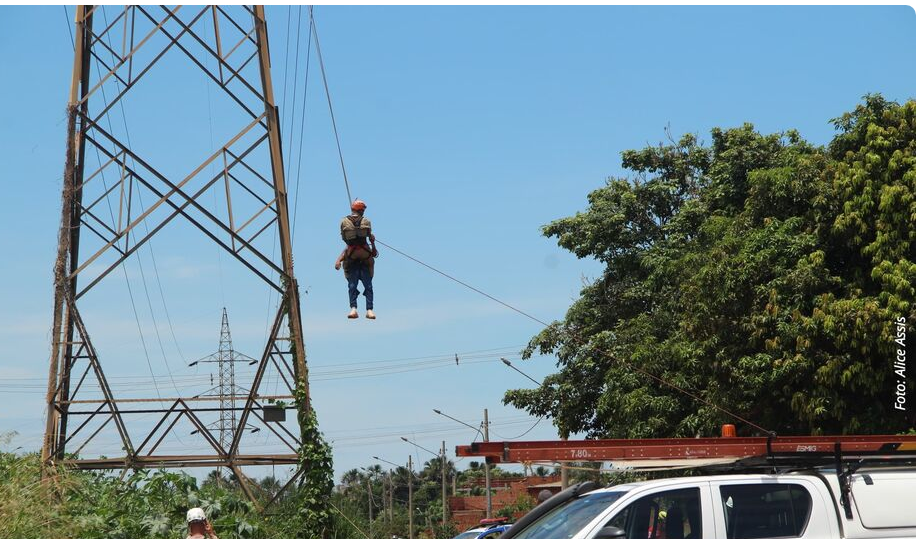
point(762, 274)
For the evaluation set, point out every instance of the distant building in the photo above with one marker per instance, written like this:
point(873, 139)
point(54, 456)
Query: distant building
point(468, 511)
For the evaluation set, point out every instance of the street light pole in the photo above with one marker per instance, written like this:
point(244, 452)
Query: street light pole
point(391, 500)
point(444, 414)
point(369, 497)
point(442, 457)
point(511, 366)
point(418, 446)
point(445, 501)
point(487, 468)
point(410, 498)
point(485, 433)
point(391, 491)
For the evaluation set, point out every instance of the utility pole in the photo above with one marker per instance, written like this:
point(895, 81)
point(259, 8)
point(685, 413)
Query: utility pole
point(369, 501)
point(391, 500)
point(410, 498)
point(564, 472)
point(445, 501)
point(490, 508)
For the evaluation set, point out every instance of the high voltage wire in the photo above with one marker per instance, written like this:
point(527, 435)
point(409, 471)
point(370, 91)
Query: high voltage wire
point(17, 386)
point(146, 227)
point(334, 367)
point(420, 432)
point(302, 126)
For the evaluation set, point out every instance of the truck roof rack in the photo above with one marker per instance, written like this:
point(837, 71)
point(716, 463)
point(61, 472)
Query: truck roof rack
point(775, 451)
point(846, 454)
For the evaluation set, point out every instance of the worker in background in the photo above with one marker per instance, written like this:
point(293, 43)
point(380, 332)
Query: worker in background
point(198, 525)
point(358, 257)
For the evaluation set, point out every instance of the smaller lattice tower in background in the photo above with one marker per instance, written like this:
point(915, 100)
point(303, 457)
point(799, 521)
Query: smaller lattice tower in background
point(226, 389)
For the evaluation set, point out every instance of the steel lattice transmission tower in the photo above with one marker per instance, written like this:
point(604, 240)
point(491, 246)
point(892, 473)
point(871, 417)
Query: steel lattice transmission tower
point(104, 223)
point(226, 389)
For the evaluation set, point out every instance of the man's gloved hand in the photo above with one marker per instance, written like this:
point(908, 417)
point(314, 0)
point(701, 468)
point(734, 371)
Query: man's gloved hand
point(337, 265)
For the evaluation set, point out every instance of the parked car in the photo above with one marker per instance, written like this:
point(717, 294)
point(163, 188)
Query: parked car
point(808, 505)
point(485, 531)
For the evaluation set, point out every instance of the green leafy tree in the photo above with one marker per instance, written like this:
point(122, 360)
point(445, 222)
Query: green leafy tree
point(761, 274)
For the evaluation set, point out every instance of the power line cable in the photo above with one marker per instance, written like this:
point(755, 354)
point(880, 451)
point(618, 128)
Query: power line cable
point(286, 70)
point(112, 215)
point(530, 429)
point(146, 225)
point(286, 56)
point(302, 127)
point(295, 88)
point(331, 368)
point(207, 82)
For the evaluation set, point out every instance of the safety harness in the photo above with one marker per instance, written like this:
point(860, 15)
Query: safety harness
point(355, 234)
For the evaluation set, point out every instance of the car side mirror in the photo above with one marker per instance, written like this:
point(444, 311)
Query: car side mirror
point(610, 532)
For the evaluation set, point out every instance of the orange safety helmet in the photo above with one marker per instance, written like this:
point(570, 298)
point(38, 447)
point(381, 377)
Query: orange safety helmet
point(358, 205)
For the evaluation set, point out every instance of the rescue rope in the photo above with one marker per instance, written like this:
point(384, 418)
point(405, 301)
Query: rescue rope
point(574, 336)
point(334, 125)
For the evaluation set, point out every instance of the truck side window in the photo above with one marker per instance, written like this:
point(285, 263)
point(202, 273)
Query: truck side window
point(765, 511)
point(674, 514)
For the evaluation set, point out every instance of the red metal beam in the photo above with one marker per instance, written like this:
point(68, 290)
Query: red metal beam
point(682, 448)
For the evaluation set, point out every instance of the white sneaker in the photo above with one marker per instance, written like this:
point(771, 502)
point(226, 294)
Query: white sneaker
point(370, 314)
point(353, 313)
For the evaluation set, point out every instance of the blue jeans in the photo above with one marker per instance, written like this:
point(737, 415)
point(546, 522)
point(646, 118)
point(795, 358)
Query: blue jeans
point(359, 273)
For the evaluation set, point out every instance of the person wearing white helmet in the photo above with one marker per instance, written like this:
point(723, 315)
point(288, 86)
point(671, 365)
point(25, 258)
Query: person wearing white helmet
point(198, 525)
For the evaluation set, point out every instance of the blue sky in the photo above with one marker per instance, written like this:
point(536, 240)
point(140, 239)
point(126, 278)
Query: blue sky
point(465, 129)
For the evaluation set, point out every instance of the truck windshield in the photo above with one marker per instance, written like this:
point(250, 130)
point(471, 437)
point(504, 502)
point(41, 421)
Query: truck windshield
point(566, 520)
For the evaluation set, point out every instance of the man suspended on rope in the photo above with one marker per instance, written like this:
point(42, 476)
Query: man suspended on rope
point(358, 258)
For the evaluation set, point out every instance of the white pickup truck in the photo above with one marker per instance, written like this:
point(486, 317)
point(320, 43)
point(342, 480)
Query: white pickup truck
point(880, 503)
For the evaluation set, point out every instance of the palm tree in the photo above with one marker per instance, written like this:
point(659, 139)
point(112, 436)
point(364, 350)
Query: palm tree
point(270, 485)
point(352, 478)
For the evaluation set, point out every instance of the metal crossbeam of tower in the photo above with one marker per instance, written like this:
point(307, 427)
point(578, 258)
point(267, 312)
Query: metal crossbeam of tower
point(123, 188)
